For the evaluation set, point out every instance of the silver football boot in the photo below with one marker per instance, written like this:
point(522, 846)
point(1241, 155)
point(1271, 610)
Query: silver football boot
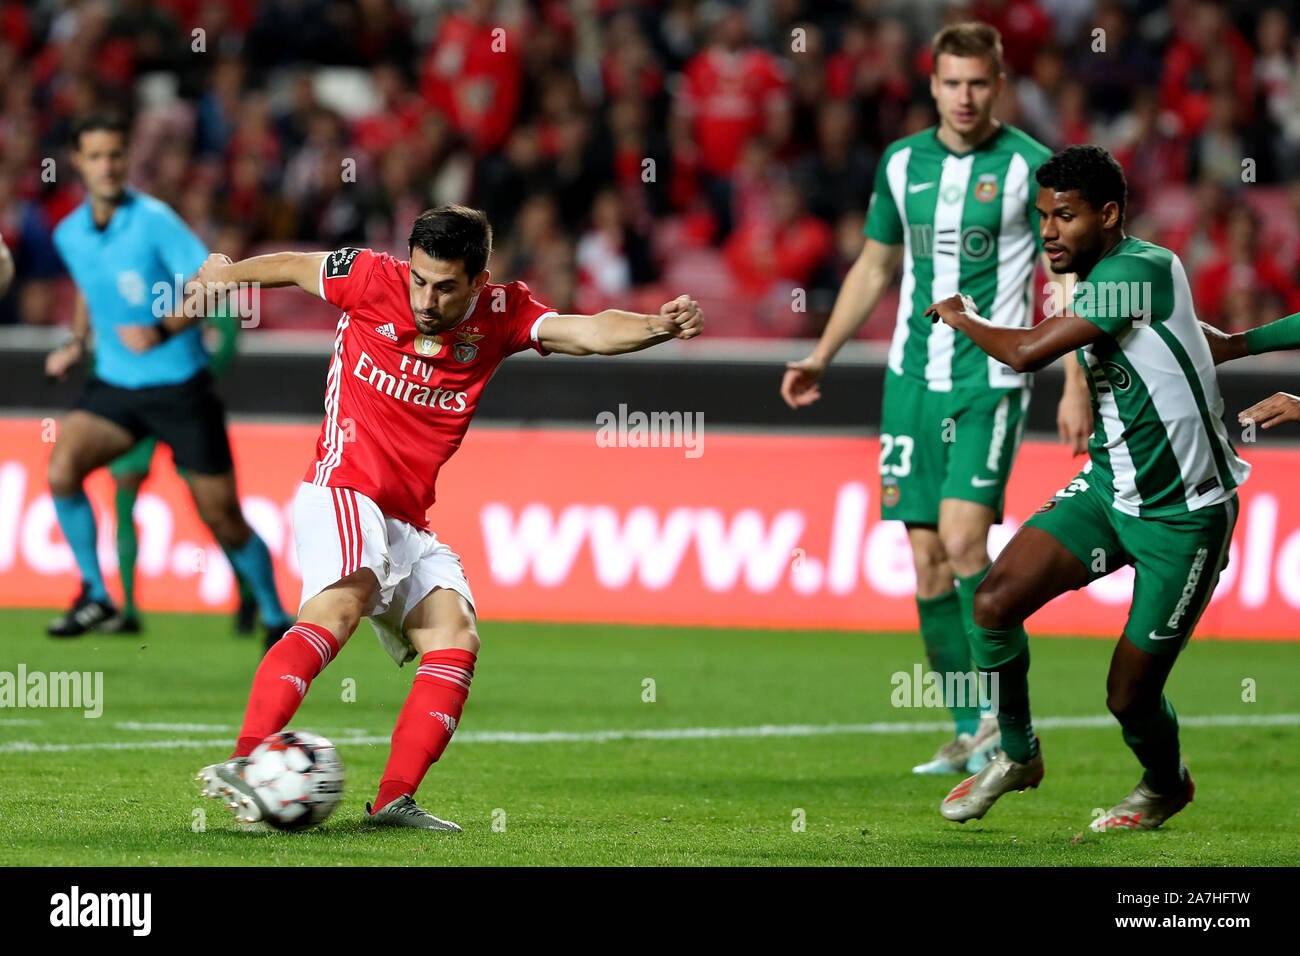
point(971, 798)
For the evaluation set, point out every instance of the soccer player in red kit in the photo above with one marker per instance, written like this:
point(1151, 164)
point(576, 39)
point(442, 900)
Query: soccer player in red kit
point(415, 345)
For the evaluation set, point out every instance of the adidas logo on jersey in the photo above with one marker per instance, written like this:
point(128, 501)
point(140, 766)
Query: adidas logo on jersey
point(448, 721)
point(387, 331)
point(297, 682)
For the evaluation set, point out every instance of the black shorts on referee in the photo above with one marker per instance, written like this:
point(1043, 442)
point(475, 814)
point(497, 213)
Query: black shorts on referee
point(188, 417)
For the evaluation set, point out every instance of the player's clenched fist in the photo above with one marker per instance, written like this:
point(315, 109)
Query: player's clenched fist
point(213, 270)
point(682, 317)
point(1274, 410)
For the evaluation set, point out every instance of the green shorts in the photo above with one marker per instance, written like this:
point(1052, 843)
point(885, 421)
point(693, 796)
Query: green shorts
point(1177, 558)
point(137, 461)
point(936, 445)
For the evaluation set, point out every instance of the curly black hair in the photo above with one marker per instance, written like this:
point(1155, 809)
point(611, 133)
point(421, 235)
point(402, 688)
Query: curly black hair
point(1090, 170)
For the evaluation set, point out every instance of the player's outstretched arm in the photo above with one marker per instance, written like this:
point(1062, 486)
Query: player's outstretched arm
point(614, 332)
point(1025, 350)
point(219, 275)
point(865, 283)
point(271, 271)
point(1277, 336)
point(192, 308)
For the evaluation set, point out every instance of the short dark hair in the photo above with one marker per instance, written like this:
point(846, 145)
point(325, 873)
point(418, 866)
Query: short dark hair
point(1090, 170)
point(968, 39)
point(100, 122)
point(453, 232)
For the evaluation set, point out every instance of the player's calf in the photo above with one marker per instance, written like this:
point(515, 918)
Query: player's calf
point(282, 680)
point(428, 719)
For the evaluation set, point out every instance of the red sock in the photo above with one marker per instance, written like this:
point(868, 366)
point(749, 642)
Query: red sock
point(282, 680)
point(427, 721)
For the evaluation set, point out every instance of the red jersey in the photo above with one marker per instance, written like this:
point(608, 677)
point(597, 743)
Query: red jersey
point(397, 403)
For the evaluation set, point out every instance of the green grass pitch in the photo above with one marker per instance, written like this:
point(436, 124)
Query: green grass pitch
point(681, 785)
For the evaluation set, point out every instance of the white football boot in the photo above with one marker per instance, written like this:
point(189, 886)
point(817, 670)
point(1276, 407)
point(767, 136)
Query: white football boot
point(951, 757)
point(225, 782)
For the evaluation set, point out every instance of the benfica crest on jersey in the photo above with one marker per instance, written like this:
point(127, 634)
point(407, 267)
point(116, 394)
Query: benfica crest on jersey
point(986, 190)
point(465, 350)
point(428, 345)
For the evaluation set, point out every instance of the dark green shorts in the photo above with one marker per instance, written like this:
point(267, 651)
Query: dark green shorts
point(936, 445)
point(1178, 558)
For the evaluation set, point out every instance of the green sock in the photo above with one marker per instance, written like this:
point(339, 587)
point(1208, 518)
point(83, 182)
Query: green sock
point(966, 594)
point(947, 649)
point(128, 546)
point(1153, 738)
point(1004, 656)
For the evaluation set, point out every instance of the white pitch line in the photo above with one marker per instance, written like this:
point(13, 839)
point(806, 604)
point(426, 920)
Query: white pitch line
point(672, 733)
point(184, 728)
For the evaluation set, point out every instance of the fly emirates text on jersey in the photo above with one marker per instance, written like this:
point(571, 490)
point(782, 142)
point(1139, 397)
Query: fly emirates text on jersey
point(408, 388)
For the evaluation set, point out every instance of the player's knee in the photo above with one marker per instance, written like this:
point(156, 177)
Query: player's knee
point(64, 479)
point(933, 573)
point(1126, 701)
point(425, 639)
point(1122, 703)
point(994, 606)
point(464, 638)
point(467, 640)
point(967, 550)
point(226, 523)
point(340, 619)
point(928, 554)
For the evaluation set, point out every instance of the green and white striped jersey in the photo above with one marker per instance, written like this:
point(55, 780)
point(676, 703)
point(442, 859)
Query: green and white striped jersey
point(968, 224)
point(1159, 446)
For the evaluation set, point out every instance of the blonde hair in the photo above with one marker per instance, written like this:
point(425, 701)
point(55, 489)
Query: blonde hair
point(968, 39)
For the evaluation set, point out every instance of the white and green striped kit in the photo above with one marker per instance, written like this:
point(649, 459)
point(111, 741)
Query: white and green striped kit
point(1159, 445)
point(967, 223)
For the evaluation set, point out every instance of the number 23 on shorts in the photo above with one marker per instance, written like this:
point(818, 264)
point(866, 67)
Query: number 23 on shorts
point(902, 444)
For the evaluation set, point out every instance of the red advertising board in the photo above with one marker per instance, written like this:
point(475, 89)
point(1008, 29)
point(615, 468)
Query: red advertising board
point(742, 530)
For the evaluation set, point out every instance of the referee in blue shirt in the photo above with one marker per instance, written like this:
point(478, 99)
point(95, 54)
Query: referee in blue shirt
point(151, 373)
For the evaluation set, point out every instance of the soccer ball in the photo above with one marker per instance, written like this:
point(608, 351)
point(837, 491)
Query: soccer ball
point(297, 777)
